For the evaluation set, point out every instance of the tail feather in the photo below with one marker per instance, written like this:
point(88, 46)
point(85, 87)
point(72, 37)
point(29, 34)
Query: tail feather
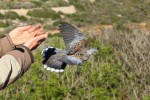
point(47, 52)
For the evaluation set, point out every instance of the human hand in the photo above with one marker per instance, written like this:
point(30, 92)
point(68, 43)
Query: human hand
point(21, 34)
point(34, 42)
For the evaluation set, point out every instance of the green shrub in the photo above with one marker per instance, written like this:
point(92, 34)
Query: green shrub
point(5, 5)
point(11, 15)
point(48, 27)
point(39, 13)
point(23, 18)
point(78, 18)
point(54, 3)
point(27, 5)
point(2, 16)
point(56, 23)
point(79, 4)
point(15, 5)
point(35, 21)
point(37, 3)
point(54, 15)
point(2, 24)
point(43, 13)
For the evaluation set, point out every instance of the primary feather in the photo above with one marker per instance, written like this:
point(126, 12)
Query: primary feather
point(72, 37)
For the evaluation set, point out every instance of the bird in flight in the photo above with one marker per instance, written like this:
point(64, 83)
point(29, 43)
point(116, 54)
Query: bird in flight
point(56, 60)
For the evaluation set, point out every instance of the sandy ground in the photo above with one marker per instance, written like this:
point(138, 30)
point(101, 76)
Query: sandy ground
point(22, 12)
point(66, 10)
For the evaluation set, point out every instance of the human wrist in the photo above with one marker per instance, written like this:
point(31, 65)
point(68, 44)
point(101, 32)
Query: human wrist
point(27, 46)
point(10, 40)
point(28, 50)
point(13, 41)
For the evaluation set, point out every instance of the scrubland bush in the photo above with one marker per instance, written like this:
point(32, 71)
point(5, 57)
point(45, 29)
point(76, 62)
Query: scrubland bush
point(54, 3)
point(1, 16)
point(3, 24)
point(133, 54)
point(37, 3)
point(43, 13)
point(15, 5)
point(28, 5)
point(4, 5)
point(35, 21)
point(11, 15)
point(23, 18)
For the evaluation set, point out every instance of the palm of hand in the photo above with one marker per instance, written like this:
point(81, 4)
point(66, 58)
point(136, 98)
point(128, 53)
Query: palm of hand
point(21, 34)
point(34, 42)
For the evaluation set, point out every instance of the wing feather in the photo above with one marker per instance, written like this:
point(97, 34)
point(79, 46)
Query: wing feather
point(54, 63)
point(72, 37)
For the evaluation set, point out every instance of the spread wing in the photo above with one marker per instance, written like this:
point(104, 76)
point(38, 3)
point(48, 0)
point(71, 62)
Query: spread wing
point(73, 38)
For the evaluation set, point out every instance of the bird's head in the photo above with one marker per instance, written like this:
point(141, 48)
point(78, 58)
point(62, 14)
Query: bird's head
point(91, 51)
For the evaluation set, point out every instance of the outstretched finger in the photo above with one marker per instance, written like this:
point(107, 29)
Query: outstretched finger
point(24, 28)
point(46, 34)
point(34, 28)
point(37, 32)
point(41, 37)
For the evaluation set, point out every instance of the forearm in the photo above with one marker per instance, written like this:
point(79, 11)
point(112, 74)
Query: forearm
point(13, 65)
point(6, 45)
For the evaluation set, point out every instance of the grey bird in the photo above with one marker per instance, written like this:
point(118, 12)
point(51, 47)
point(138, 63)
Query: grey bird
point(76, 52)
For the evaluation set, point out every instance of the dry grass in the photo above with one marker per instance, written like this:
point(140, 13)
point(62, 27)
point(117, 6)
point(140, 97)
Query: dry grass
point(133, 53)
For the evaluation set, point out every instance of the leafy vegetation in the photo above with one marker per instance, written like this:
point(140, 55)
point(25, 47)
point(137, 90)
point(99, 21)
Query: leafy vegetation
point(23, 18)
point(11, 15)
point(3, 24)
point(43, 13)
point(55, 3)
point(1, 16)
point(120, 69)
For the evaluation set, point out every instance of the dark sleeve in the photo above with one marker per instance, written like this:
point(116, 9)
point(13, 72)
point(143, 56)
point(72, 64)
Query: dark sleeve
point(14, 64)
